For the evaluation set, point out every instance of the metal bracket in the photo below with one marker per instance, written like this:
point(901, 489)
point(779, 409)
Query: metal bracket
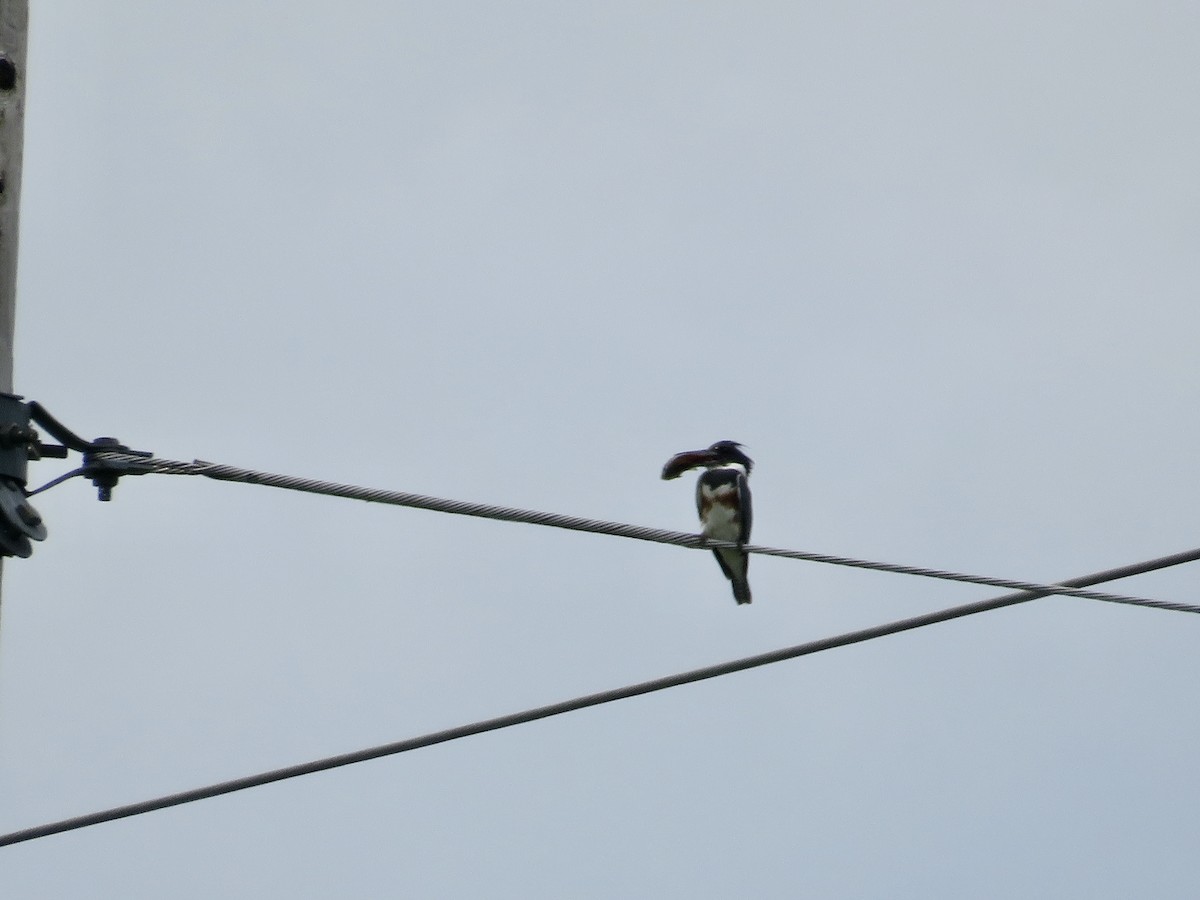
point(19, 443)
point(19, 521)
point(104, 473)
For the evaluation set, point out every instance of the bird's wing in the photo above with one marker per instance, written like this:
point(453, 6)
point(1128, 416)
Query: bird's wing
point(743, 486)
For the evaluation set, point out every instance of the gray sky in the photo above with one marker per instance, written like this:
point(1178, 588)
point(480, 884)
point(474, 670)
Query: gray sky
point(934, 264)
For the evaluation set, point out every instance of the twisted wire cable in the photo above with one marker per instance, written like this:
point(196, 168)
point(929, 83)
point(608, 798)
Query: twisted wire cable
point(220, 472)
point(609, 696)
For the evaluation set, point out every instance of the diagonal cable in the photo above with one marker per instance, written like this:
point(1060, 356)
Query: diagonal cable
point(556, 709)
point(597, 526)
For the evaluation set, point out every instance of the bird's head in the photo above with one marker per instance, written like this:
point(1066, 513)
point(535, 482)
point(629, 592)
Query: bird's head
point(722, 453)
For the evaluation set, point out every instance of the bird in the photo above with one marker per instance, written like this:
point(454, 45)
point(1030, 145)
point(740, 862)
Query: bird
point(723, 502)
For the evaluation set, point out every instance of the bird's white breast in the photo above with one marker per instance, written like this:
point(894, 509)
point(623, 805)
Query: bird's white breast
point(722, 519)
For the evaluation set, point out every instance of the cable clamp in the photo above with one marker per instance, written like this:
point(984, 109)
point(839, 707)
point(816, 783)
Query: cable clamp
point(102, 471)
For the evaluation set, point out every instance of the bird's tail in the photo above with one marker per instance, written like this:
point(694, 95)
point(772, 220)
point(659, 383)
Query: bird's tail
point(741, 590)
point(735, 565)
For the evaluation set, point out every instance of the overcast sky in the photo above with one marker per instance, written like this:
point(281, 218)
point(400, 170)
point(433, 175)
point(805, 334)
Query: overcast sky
point(934, 263)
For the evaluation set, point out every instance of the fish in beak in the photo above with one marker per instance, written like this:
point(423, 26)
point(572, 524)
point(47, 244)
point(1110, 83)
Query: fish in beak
point(686, 461)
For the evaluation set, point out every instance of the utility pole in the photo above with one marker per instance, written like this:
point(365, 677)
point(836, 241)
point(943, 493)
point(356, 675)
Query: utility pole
point(14, 30)
point(14, 27)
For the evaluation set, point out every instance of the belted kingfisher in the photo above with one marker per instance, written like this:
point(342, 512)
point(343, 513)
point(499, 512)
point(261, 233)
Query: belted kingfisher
point(723, 501)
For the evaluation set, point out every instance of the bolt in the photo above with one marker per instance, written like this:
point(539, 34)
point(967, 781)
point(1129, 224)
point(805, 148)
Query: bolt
point(13, 434)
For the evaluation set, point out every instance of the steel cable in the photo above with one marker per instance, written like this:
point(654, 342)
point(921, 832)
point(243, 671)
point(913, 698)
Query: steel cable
point(597, 526)
point(555, 709)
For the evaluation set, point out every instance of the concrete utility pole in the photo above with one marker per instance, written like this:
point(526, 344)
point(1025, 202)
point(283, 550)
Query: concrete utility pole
point(14, 29)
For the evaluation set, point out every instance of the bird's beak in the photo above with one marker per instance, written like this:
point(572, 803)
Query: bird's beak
point(682, 462)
